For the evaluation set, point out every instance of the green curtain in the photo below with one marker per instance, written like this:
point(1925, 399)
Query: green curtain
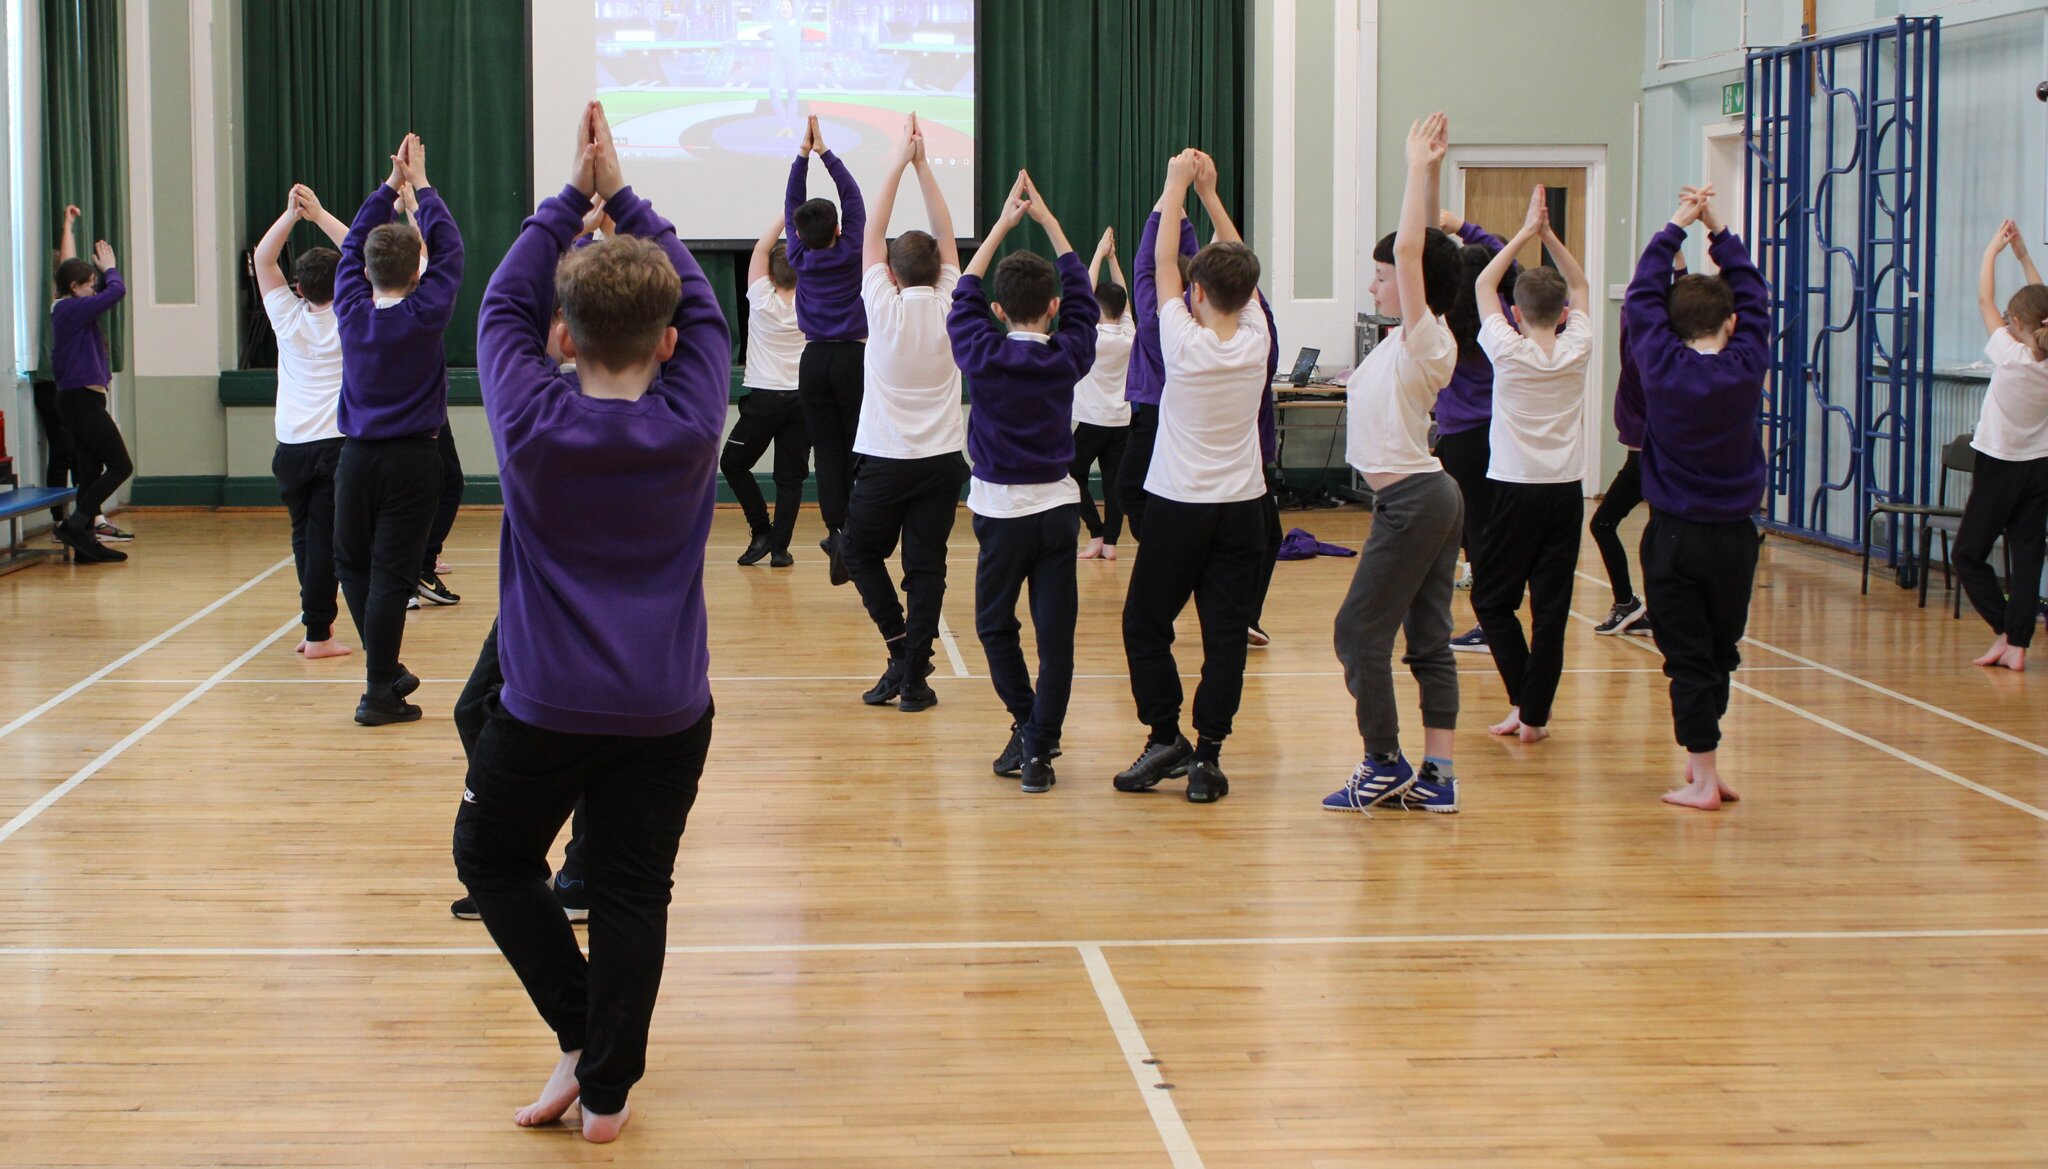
point(86, 143)
point(331, 86)
point(1093, 96)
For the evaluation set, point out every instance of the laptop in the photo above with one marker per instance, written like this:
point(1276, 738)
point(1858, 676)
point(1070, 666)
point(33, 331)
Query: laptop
point(1304, 367)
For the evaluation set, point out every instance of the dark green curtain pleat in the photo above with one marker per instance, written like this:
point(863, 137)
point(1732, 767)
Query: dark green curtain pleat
point(1093, 96)
point(331, 86)
point(86, 142)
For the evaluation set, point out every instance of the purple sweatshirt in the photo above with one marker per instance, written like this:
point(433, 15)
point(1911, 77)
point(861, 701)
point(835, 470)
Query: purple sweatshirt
point(1147, 375)
point(78, 350)
point(1467, 402)
point(394, 372)
point(1628, 392)
point(1020, 429)
point(1703, 459)
point(602, 627)
point(828, 304)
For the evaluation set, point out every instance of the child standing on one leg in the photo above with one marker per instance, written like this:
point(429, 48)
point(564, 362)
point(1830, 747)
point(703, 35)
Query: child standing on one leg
point(1629, 614)
point(1531, 541)
point(830, 380)
point(394, 404)
point(83, 366)
point(1702, 345)
point(607, 695)
point(772, 411)
point(308, 400)
point(910, 469)
point(2009, 499)
point(1205, 491)
point(1026, 506)
point(1407, 573)
point(1102, 415)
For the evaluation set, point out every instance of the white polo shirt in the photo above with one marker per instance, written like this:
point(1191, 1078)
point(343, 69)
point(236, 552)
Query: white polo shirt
point(1539, 402)
point(774, 343)
point(2014, 423)
point(1099, 397)
point(308, 367)
point(1388, 399)
point(911, 405)
point(1208, 445)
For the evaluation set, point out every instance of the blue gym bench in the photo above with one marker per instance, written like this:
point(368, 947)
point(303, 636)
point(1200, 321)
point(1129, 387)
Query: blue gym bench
point(20, 501)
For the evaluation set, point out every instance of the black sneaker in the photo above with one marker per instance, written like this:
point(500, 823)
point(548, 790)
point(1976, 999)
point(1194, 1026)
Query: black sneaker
point(85, 549)
point(1642, 627)
point(406, 682)
point(837, 559)
point(1159, 761)
point(383, 710)
point(434, 591)
point(887, 687)
point(825, 545)
point(757, 549)
point(465, 909)
point(917, 694)
point(1010, 764)
point(780, 558)
point(1622, 616)
point(1206, 783)
point(1038, 776)
point(575, 905)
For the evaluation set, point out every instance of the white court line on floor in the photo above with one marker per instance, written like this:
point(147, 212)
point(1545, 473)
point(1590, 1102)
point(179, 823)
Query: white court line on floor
point(952, 649)
point(101, 673)
point(135, 736)
point(970, 946)
point(1876, 744)
point(1867, 684)
point(1144, 1069)
point(740, 678)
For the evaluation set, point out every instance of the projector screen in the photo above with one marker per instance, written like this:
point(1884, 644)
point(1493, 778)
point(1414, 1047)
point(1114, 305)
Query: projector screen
point(708, 99)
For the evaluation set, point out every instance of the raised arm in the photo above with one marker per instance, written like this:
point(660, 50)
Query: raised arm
point(1173, 198)
point(874, 243)
point(796, 195)
point(2019, 252)
point(270, 277)
point(1427, 141)
point(1116, 270)
point(1652, 341)
point(1987, 279)
point(351, 283)
point(1205, 187)
point(853, 213)
point(1079, 313)
point(434, 299)
point(1013, 214)
point(934, 200)
point(1486, 289)
point(757, 264)
point(703, 352)
point(1105, 248)
point(1035, 207)
point(1578, 289)
point(112, 290)
point(67, 236)
point(313, 212)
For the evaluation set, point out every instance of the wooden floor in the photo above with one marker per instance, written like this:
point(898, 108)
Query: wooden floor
point(227, 938)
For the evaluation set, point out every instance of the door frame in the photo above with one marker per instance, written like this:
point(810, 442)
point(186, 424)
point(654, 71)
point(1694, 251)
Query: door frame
point(1716, 134)
point(1593, 159)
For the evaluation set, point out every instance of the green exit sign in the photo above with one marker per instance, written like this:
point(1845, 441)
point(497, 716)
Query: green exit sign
point(1731, 99)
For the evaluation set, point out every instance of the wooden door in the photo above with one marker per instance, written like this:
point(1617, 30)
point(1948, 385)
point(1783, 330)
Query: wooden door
point(1497, 199)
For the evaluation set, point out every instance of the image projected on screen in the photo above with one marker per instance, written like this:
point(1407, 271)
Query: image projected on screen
point(717, 94)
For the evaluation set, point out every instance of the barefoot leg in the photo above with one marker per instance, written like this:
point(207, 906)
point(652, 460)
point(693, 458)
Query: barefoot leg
point(1703, 786)
point(2014, 658)
point(1529, 734)
point(1092, 552)
point(330, 648)
point(1512, 724)
point(556, 1097)
point(601, 1130)
point(1109, 552)
point(1995, 655)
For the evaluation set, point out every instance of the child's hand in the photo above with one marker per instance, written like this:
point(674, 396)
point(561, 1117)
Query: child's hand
point(595, 219)
point(71, 214)
point(917, 155)
point(309, 203)
point(1180, 168)
point(1688, 212)
point(605, 169)
point(1014, 205)
point(293, 209)
point(583, 158)
point(1107, 245)
point(397, 178)
point(906, 149)
point(1034, 203)
point(1205, 174)
point(1449, 222)
point(1709, 218)
point(409, 199)
point(412, 160)
point(1428, 139)
point(816, 138)
point(103, 255)
point(1537, 220)
point(2015, 240)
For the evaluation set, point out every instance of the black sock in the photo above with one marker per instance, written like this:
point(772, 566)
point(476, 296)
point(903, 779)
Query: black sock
point(1164, 735)
point(1208, 750)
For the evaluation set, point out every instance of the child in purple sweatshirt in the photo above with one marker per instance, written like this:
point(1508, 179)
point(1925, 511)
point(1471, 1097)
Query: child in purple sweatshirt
point(1027, 508)
point(607, 693)
point(1702, 347)
point(80, 361)
point(824, 248)
point(394, 403)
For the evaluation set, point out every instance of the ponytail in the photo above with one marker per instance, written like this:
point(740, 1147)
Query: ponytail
point(2028, 310)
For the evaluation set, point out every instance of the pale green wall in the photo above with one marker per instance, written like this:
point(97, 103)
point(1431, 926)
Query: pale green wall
point(1510, 73)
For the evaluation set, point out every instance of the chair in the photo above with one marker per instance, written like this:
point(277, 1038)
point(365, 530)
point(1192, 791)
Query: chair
point(1956, 455)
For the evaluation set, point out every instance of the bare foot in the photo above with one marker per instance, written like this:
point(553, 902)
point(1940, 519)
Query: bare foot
point(2014, 658)
point(315, 650)
point(1510, 725)
point(1995, 655)
point(1092, 552)
point(561, 1092)
point(603, 1130)
point(1531, 734)
point(1728, 795)
point(1707, 797)
point(1109, 552)
point(440, 567)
